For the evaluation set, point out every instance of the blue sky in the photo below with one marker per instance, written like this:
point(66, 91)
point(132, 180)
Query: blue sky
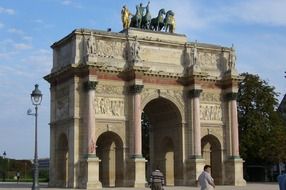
point(257, 29)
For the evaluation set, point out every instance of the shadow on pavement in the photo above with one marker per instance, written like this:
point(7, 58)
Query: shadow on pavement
point(20, 185)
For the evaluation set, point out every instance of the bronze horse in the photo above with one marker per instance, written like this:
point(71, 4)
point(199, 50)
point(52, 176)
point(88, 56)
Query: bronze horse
point(136, 19)
point(169, 22)
point(158, 22)
point(146, 19)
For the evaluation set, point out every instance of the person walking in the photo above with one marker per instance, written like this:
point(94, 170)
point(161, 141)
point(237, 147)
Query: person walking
point(157, 180)
point(282, 181)
point(205, 179)
point(18, 176)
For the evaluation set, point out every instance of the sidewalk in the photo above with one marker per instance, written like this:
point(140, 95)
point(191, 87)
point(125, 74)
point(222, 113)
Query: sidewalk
point(249, 186)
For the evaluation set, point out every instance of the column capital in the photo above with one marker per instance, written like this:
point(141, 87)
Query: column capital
point(196, 157)
point(195, 93)
point(137, 156)
point(230, 96)
point(90, 85)
point(136, 88)
point(89, 156)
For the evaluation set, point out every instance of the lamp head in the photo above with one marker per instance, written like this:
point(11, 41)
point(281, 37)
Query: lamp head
point(36, 96)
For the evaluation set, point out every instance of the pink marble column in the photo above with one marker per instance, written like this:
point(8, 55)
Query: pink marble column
point(195, 94)
point(234, 124)
point(90, 115)
point(136, 89)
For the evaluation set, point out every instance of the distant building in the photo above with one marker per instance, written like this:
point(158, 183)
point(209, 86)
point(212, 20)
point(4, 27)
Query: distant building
point(282, 107)
point(44, 163)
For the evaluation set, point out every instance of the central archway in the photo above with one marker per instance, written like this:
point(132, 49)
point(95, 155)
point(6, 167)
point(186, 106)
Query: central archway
point(161, 124)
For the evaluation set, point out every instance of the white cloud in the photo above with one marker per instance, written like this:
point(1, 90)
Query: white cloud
point(40, 60)
point(1, 25)
point(39, 21)
point(41, 24)
point(260, 11)
point(7, 11)
point(66, 2)
point(195, 15)
point(71, 3)
point(15, 31)
point(22, 46)
point(6, 45)
point(264, 54)
point(27, 38)
point(6, 70)
point(187, 13)
point(5, 55)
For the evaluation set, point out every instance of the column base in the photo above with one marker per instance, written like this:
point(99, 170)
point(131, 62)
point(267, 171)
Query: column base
point(93, 173)
point(234, 172)
point(139, 172)
point(194, 167)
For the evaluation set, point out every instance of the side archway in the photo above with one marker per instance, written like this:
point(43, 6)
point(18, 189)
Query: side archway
point(110, 152)
point(211, 152)
point(62, 160)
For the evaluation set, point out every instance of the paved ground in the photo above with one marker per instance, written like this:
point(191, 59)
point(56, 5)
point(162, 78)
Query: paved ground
point(249, 186)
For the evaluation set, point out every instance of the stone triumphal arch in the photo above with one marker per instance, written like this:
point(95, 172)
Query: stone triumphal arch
point(102, 82)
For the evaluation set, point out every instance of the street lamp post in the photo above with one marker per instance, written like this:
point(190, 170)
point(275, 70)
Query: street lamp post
point(5, 168)
point(25, 170)
point(4, 155)
point(36, 98)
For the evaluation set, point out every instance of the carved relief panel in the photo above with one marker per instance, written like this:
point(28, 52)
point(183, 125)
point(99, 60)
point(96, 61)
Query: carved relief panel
point(208, 59)
point(103, 48)
point(210, 97)
point(210, 107)
point(107, 105)
point(62, 103)
point(106, 89)
point(161, 55)
point(210, 112)
point(211, 62)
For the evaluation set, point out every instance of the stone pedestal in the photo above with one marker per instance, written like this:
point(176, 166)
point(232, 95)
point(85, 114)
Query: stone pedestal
point(139, 172)
point(194, 167)
point(93, 173)
point(234, 172)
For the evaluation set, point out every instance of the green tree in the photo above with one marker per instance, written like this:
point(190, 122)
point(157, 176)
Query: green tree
point(260, 125)
point(275, 145)
point(145, 127)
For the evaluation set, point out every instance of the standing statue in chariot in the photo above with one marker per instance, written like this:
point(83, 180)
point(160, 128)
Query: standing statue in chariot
point(136, 20)
point(125, 14)
point(164, 20)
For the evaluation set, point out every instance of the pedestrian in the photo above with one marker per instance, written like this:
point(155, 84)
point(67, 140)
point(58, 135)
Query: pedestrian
point(157, 180)
point(18, 176)
point(282, 181)
point(205, 179)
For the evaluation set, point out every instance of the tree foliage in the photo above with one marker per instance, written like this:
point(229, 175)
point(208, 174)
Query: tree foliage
point(9, 167)
point(145, 127)
point(260, 126)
